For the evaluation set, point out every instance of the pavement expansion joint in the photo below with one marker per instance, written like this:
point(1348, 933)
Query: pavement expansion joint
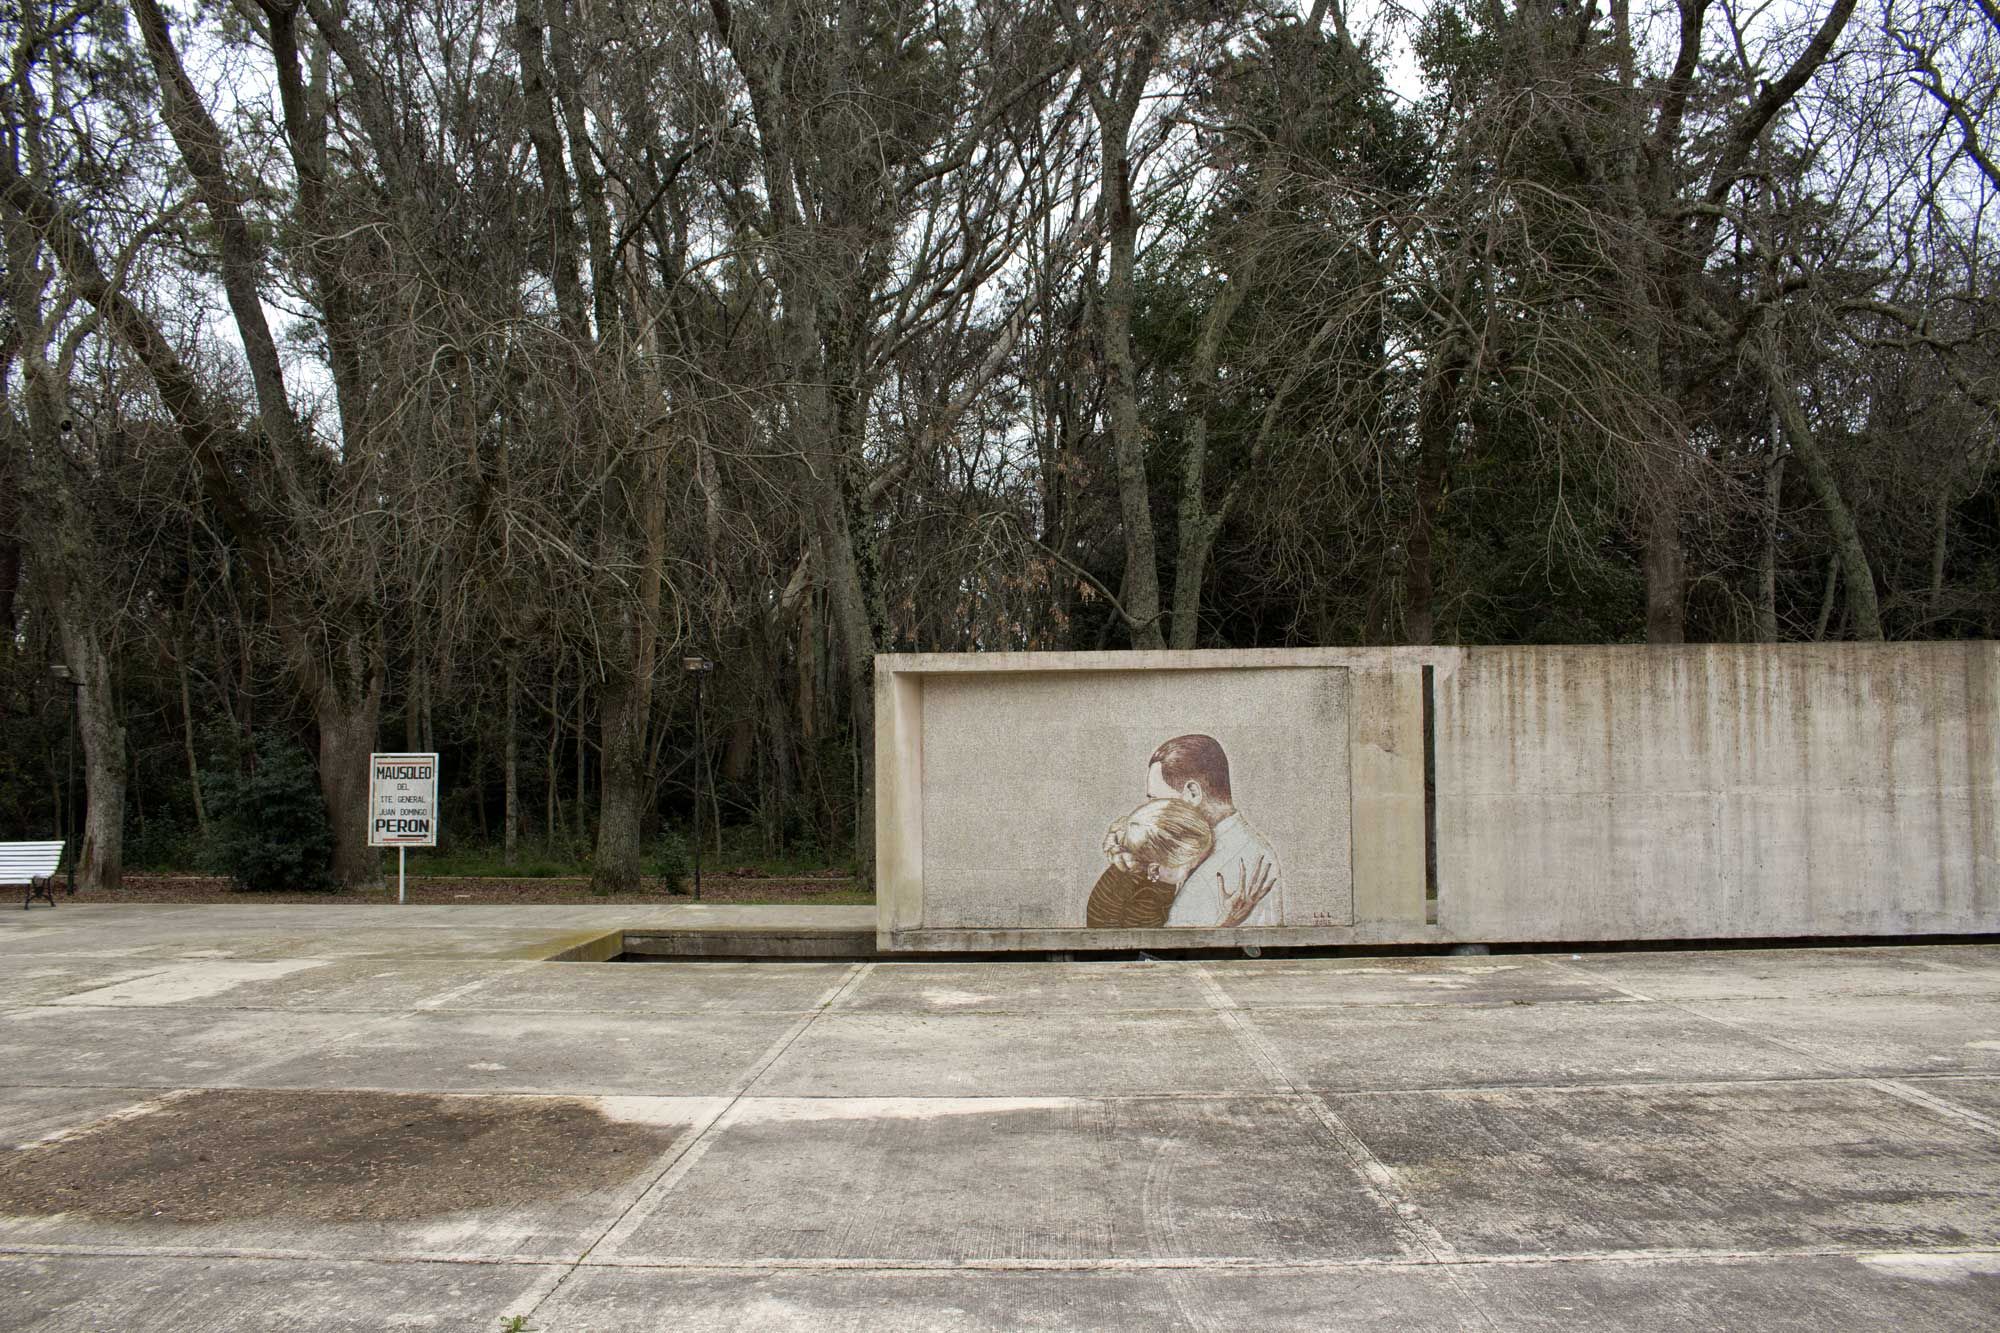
point(1377, 1181)
point(568, 1263)
point(689, 1149)
point(1839, 1069)
point(1249, 1142)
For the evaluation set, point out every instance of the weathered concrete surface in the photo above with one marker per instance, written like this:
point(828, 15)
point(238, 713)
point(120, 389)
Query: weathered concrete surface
point(1142, 1178)
point(627, 988)
point(1736, 791)
point(1390, 1300)
point(1801, 974)
point(1718, 791)
point(32, 979)
point(39, 1292)
point(155, 1048)
point(1877, 1034)
point(1525, 1042)
point(1770, 1167)
point(1307, 983)
point(31, 1114)
point(1792, 1295)
point(1053, 1054)
point(1980, 1095)
point(1091, 988)
point(318, 985)
point(1728, 1139)
point(599, 1053)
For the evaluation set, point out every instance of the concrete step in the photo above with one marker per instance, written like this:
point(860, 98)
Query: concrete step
point(796, 942)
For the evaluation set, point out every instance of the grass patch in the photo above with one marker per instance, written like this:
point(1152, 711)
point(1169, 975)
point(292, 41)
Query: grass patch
point(462, 861)
point(669, 858)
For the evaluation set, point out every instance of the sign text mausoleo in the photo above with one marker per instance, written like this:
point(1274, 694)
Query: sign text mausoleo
point(402, 800)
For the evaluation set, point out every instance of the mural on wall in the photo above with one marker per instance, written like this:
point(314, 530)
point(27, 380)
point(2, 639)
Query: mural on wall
point(1188, 856)
point(1229, 791)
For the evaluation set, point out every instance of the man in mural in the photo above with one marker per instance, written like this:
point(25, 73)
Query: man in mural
point(1234, 885)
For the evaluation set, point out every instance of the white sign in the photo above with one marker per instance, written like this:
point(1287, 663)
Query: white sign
point(402, 800)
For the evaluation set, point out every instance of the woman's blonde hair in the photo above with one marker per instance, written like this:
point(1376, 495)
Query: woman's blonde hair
point(1165, 834)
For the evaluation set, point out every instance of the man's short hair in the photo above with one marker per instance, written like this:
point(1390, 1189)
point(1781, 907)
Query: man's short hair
point(1194, 758)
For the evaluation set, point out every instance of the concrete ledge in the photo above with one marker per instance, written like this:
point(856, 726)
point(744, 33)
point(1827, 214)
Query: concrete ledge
point(802, 943)
point(594, 947)
point(1082, 940)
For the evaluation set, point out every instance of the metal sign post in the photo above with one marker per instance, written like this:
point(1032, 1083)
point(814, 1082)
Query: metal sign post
point(402, 806)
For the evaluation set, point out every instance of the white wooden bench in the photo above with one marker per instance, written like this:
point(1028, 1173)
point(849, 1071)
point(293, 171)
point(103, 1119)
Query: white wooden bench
point(30, 866)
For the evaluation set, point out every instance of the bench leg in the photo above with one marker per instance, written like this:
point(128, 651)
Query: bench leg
point(39, 887)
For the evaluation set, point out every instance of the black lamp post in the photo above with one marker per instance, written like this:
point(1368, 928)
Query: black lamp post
point(62, 673)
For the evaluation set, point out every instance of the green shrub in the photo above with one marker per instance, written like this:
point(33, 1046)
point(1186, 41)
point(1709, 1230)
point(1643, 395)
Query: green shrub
point(268, 826)
point(162, 844)
point(672, 861)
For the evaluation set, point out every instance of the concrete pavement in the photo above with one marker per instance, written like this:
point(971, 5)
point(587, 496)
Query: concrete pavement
point(289, 1117)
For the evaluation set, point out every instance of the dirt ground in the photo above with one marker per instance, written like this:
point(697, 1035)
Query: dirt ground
point(231, 1153)
point(445, 890)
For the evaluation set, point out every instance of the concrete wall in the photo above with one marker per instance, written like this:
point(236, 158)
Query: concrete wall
point(1717, 791)
point(1024, 771)
point(997, 774)
point(1580, 793)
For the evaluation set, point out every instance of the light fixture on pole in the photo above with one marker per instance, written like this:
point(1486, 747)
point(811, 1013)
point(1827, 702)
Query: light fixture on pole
point(61, 672)
point(698, 667)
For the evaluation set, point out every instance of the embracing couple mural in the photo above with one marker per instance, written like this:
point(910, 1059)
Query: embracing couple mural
point(1187, 857)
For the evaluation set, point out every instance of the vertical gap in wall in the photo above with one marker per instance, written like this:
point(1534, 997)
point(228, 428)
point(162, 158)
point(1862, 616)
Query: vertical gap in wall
point(1430, 791)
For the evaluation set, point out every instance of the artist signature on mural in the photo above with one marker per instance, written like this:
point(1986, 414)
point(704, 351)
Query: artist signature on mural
point(1187, 857)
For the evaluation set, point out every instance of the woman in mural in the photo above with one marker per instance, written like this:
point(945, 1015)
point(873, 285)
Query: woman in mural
point(1187, 857)
point(1151, 851)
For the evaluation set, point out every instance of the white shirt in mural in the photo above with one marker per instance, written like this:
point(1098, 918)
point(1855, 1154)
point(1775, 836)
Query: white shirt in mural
point(1237, 849)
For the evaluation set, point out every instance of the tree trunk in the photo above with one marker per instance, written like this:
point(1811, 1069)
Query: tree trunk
point(413, 735)
point(1940, 548)
point(1826, 600)
point(344, 680)
point(349, 714)
point(100, 858)
point(857, 644)
point(1767, 554)
point(187, 739)
point(1437, 420)
point(1140, 595)
point(10, 536)
point(538, 102)
point(1198, 526)
point(1115, 96)
point(624, 709)
point(510, 818)
point(1196, 537)
point(579, 748)
point(784, 772)
point(551, 814)
point(1666, 570)
point(738, 750)
point(1859, 578)
point(479, 790)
